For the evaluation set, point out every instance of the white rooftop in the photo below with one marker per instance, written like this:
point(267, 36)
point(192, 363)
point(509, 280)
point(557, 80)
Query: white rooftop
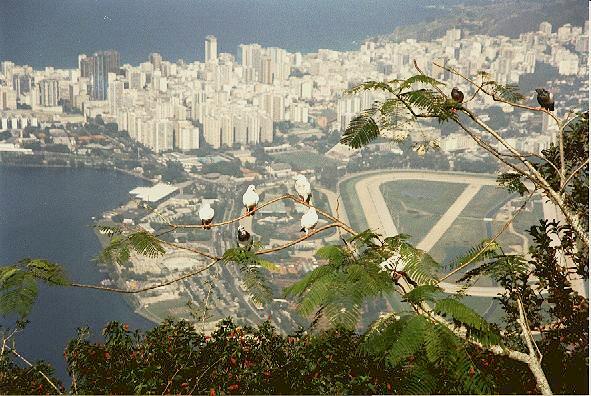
point(154, 193)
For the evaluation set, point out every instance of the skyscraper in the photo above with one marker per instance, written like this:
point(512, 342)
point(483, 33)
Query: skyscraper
point(211, 48)
point(156, 60)
point(103, 63)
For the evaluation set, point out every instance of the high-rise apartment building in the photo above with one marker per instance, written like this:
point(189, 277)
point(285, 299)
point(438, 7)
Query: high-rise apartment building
point(211, 48)
point(49, 92)
point(156, 60)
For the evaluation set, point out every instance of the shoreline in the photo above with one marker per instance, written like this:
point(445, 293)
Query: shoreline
point(120, 170)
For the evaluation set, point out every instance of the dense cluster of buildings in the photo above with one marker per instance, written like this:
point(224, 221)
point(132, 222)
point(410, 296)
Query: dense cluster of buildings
point(229, 100)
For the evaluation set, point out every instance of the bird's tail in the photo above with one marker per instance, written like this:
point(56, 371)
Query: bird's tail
point(309, 198)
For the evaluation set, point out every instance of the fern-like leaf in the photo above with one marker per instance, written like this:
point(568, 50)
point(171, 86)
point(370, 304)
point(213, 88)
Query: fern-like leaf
point(422, 293)
point(362, 129)
point(18, 291)
point(509, 92)
point(50, 273)
point(372, 85)
point(419, 79)
point(409, 341)
point(485, 250)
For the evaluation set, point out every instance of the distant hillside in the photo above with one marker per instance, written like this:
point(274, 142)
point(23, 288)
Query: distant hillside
point(508, 18)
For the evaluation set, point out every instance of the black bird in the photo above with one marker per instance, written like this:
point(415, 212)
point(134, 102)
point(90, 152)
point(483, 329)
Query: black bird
point(244, 238)
point(457, 95)
point(545, 99)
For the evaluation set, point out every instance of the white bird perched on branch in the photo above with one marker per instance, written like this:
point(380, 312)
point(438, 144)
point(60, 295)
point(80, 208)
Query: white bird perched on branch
point(395, 266)
point(244, 238)
point(302, 187)
point(206, 214)
point(250, 199)
point(309, 220)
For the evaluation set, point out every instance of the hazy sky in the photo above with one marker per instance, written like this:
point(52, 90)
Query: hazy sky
point(45, 32)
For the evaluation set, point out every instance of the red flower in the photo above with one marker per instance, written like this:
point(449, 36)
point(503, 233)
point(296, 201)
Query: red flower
point(212, 392)
point(233, 387)
point(184, 385)
point(471, 372)
point(107, 355)
point(126, 327)
point(389, 387)
point(267, 373)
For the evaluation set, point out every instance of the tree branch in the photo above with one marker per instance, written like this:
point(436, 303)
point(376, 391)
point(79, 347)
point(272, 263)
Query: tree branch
point(21, 357)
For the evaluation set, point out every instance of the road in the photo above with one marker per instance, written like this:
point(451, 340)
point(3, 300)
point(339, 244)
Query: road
point(379, 218)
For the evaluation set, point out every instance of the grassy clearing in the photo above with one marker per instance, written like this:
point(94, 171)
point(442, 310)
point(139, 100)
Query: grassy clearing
point(487, 199)
point(417, 205)
point(300, 160)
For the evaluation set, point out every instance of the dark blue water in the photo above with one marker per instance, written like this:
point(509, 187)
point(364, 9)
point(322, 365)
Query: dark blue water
point(43, 32)
point(45, 213)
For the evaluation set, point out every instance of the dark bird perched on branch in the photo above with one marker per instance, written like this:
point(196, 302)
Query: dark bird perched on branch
point(545, 99)
point(457, 95)
point(244, 238)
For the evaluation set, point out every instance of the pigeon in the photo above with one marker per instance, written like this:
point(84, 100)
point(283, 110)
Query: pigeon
point(302, 187)
point(244, 238)
point(545, 99)
point(457, 95)
point(309, 220)
point(206, 214)
point(395, 266)
point(250, 199)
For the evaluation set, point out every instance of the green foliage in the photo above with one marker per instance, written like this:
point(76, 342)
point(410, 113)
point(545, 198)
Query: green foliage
point(422, 293)
point(479, 253)
point(16, 380)
point(512, 182)
point(119, 249)
point(18, 284)
point(253, 278)
point(362, 129)
point(426, 351)
point(174, 358)
point(478, 328)
point(409, 340)
point(509, 92)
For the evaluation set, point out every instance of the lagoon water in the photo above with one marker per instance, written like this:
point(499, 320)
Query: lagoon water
point(45, 213)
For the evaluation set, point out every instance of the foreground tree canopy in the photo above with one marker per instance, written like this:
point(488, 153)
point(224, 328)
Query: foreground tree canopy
point(437, 344)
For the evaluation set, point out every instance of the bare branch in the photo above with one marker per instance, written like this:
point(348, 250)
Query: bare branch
point(21, 357)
